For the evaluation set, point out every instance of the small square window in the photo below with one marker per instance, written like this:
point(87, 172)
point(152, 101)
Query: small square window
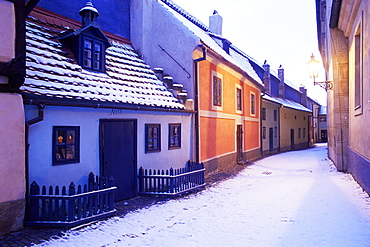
point(66, 144)
point(174, 136)
point(152, 138)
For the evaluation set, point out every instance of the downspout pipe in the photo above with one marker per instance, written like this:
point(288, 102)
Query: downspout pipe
point(30, 122)
point(196, 102)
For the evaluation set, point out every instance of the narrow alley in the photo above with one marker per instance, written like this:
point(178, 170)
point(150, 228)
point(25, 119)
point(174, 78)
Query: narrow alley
point(290, 199)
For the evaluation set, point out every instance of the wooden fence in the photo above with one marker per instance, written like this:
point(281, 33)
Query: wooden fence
point(80, 205)
point(171, 182)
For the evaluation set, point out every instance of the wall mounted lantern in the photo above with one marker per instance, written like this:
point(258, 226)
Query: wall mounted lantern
point(313, 69)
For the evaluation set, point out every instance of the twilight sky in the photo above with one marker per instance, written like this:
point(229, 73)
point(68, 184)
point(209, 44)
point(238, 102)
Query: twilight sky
point(283, 32)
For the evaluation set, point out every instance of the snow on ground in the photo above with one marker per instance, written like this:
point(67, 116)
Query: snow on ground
point(290, 199)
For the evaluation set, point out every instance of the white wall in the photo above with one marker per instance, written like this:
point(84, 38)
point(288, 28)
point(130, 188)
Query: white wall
point(153, 25)
point(40, 138)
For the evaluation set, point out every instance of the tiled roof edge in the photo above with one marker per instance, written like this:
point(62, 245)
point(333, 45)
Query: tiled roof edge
point(186, 14)
point(29, 98)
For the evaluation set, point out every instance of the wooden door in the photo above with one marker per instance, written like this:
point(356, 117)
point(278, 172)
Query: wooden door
point(118, 155)
point(271, 139)
point(292, 138)
point(239, 143)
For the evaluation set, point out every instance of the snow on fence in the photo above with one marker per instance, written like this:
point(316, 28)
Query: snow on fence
point(92, 201)
point(171, 182)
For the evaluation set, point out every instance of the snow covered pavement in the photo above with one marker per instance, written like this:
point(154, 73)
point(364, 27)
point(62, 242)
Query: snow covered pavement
point(290, 199)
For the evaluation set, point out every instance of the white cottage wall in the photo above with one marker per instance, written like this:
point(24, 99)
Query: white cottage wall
point(43, 171)
point(169, 33)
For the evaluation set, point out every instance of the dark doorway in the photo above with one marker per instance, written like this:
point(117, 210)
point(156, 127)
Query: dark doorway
point(118, 155)
point(292, 138)
point(239, 143)
point(324, 135)
point(271, 139)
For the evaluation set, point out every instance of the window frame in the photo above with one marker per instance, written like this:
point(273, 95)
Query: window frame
point(56, 146)
point(358, 70)
point(177, 145)
point(93, 52)
point(217, 91)
point(264, 113)
point(148, 129)
point(239, 99)
point(252, 104)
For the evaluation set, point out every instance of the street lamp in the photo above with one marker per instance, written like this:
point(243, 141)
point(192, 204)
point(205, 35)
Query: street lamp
point(313, 69)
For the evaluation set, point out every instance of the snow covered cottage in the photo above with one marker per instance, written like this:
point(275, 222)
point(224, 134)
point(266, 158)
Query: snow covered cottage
point(93, 105)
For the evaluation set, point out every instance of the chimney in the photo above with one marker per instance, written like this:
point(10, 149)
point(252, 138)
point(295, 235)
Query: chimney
point(282, 82)
point(89, 14)
point(303, 96)
point(267, 77)
point(215, 23)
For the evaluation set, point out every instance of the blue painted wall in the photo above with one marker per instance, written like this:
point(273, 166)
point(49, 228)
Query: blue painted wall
point(114, 15)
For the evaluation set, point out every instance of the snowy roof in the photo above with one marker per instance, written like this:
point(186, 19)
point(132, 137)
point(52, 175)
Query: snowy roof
point(203, 33)
point(323, 110)
point(52, 72)
point(286, 103)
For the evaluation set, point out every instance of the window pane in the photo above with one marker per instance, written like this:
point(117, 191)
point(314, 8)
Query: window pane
point(70, 152)
point(61, 137)
point(70, 136)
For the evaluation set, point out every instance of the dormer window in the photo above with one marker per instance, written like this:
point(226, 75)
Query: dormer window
point(93, 54)
point(89, 43)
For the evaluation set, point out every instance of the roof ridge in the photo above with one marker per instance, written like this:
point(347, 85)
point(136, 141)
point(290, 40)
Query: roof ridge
point(187, 15)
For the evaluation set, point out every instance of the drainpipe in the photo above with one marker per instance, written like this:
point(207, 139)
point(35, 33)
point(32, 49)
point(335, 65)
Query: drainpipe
point(279, 124)
point(261, 123)
point(30, 122)
point(196, 102)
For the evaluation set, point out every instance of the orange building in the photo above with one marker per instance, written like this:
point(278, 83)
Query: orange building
point(229, 112)
point(222, 89)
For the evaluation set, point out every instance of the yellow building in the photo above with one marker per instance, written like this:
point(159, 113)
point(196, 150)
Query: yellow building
point(343, 36)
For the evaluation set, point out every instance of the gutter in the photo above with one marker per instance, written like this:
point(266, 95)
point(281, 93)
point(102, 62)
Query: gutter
point(196, 102)
point(30, 99)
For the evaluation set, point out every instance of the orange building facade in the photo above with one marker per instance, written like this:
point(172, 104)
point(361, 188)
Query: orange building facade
point(229, 115)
